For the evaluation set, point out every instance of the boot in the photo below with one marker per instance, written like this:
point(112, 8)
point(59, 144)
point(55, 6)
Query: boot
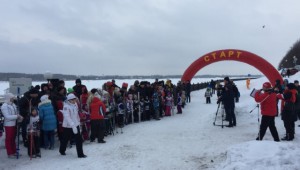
point(285, 137)
point(290, 137)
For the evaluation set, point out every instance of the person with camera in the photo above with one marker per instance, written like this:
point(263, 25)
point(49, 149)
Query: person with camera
point(227, 98)
point(268, 105)
point(288, 114)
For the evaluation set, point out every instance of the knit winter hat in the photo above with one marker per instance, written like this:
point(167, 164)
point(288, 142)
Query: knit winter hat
point(8, 96)
point(226, 78)
point(44, 98)
point(60, 88)
point(78, 81)
point(70, 90)
point(33, 91)
point(291, 86)
point(71, 96)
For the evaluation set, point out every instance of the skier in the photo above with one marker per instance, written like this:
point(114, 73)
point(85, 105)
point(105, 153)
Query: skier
point(179, 104)
point(33, 131)
point(155, 106)
point(147, 108)
point(9, 111)
point(208, 95)
point(169, 104)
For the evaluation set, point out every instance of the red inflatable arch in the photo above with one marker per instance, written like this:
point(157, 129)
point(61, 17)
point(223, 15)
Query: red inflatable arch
point(237, 55)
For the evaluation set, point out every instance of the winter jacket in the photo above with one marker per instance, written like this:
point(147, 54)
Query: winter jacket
point(227, 96)
point(288, 110)
point(71, 116)
point(268, 103)
point(169, 101)
point(47, 115)
point(78, 90)
point(207, 94)
point(297, 103)
point(33, 124)
point(26, 103)
point(97, 109)
point(9, 111)
point(121, 109)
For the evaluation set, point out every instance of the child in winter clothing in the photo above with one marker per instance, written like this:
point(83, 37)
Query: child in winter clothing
point(129, 104)
point(121, 113)
point(156, 106)
point(179, 104)
point(33, 131)
point(208, 94)
point(135, 108)
point(169, 104)
point(147, 108)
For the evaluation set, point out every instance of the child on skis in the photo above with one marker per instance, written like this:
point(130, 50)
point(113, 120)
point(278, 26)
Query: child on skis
point(169, 104)
point(147, 108)
point(179, 104)
point(208, 95)
point(33, 131)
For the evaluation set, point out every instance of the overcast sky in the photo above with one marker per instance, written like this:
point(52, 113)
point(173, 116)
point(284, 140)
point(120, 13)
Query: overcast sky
point(141, 37)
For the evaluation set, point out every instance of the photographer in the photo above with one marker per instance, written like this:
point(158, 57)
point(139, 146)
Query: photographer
point(268, 102)
point(227, 98)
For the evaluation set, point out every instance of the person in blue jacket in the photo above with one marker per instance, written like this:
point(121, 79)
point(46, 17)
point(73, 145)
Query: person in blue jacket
point(48, 121)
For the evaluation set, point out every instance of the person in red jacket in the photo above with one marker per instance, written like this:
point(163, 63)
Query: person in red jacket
point(268, 105)
point(97, 113)
point(288, 114)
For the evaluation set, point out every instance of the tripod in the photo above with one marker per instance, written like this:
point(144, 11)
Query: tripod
point(257, 106)
point(222, 125)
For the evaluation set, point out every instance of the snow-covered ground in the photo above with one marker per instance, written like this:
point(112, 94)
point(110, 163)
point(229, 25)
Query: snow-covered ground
point(188, 141)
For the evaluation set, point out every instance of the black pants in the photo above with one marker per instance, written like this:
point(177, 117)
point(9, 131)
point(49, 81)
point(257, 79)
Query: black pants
point(24, 132)
point(97, 129)
point(289, 125)
point(208, 100)
point(188, 98)
point(230, 115)
point(33, 144)
point(268, 121)
point(67, 135)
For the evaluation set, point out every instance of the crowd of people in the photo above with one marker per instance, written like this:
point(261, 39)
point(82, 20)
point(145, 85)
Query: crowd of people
point(51, 112)
point(268, 97)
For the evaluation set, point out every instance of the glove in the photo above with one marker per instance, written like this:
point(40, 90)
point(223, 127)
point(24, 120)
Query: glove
point(75, 131)
point(20, 118)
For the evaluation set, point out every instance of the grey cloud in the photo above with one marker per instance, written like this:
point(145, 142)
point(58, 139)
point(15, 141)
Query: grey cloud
point(142, 37)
